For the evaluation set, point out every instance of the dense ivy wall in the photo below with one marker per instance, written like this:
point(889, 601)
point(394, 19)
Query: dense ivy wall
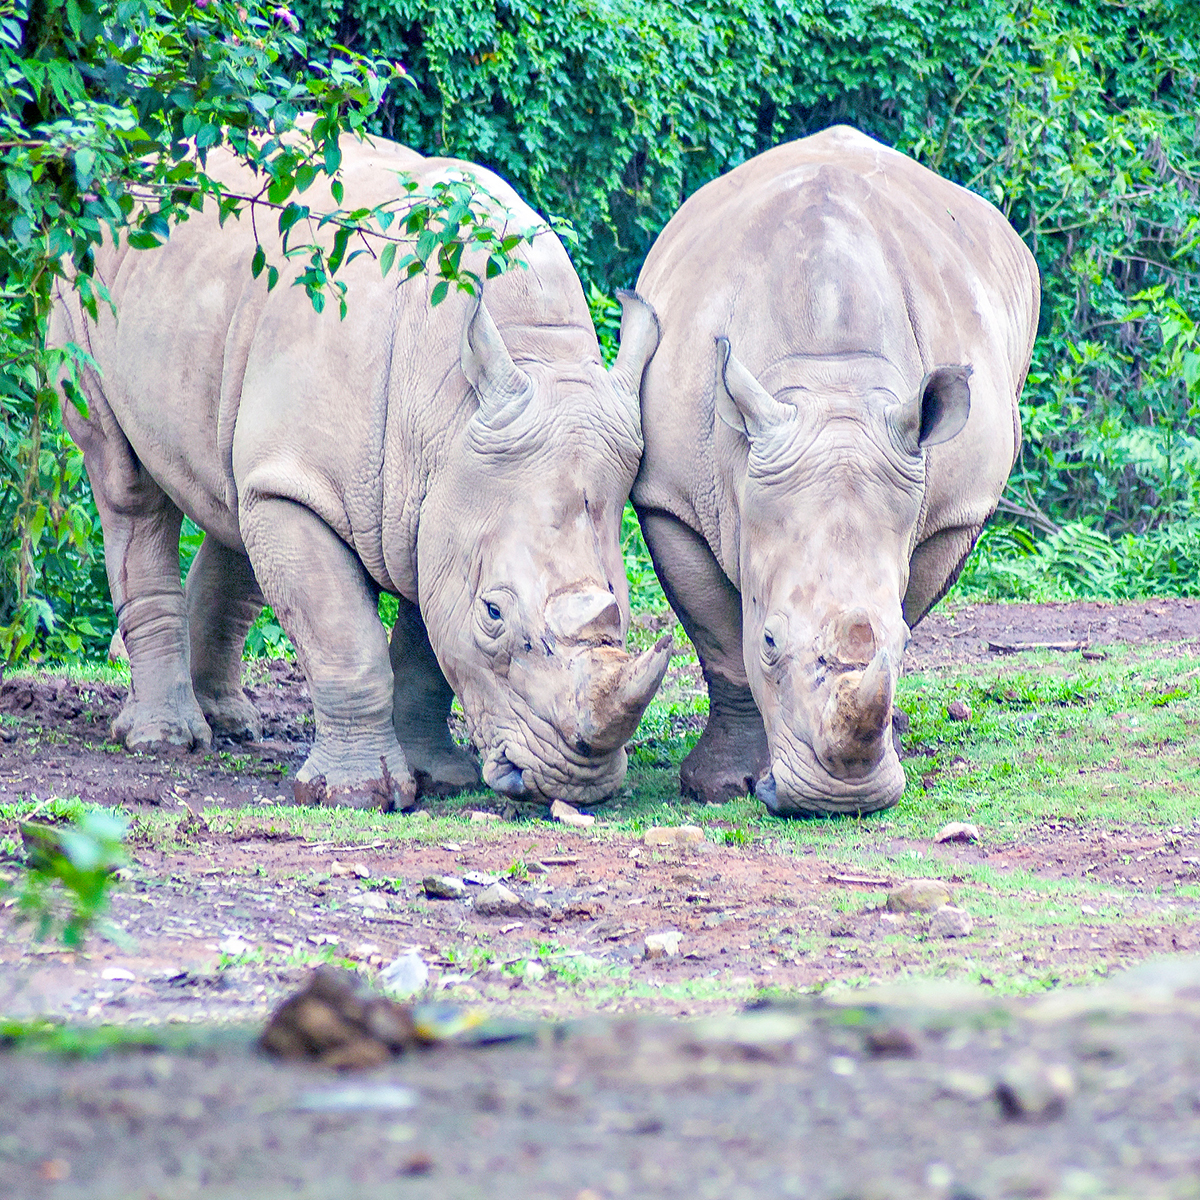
point(1079, 118)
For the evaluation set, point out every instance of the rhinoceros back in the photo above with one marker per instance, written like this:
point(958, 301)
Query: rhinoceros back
point(832, 246)
point(221, 386)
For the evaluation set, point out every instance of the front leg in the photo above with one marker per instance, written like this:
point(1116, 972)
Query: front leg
point(732, 751)
point(324, 599)
point(420, 705)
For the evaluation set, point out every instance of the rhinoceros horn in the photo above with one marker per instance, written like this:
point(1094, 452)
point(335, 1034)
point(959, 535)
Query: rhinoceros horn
point(621, 687)
point(856, 716)
point(873, 700)
point(742, 402)
point(502, 387)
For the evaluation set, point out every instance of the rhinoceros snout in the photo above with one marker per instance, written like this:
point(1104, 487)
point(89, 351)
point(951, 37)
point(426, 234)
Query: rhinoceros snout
point(505, 777)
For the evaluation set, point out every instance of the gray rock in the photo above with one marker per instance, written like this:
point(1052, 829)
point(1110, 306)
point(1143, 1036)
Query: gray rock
point(951, 922)
point(919, 895)
point(957, 831)
point(958, 710)
point(406, 975)
point(663, 945)
point(674, 836)
point(444, 887)
point(568, 814)
point(478, 879)
point(1032, 1090)
point(499, 901)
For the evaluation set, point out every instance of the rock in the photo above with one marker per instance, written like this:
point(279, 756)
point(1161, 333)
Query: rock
point(951, 922)
point(534, 972)
point(369, 900)
point(419, 815)
point(958, 710)
point(233, 945)
point(1032, 1090)
point(359, 869)
point(957, 831)
point(537, 868)
point(481, 818)
point(891, 1041)
point(675, 836)
point(565, 813)
point(842, 927)
point(478, 879)
point(663, 945)
point(499, 901)
point(918, 895)
point(380, 1098)
point(405, 975)
point(119, 974)
point(333, 1021)
point(444, 887)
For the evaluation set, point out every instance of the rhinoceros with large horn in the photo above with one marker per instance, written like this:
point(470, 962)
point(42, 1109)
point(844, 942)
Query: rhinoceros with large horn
point(829, 420)
point(472, 459)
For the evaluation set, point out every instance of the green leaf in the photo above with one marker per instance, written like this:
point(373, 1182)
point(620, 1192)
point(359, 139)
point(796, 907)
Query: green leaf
point(439, 292)
point(387, 257)
point(258, 262)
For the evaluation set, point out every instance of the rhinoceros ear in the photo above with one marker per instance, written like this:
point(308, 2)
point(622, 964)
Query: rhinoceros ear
point(640, 335)
point(502, 387)
point(939, 410)
point(742, 402)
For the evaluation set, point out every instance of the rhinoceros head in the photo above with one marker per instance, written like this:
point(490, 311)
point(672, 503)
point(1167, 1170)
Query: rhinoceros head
point(522, 577)
point(834, 482)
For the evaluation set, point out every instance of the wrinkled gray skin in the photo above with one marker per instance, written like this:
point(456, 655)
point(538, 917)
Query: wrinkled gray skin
point(472, 459)
point(829, 420)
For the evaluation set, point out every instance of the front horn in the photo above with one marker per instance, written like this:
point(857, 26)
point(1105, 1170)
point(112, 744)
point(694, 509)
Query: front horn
point(640, 335)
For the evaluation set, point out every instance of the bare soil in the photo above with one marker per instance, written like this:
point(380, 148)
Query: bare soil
point(228, 916)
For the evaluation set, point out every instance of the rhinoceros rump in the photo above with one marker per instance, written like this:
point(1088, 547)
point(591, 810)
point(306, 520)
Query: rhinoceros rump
point(829, 420)
point(472, 459)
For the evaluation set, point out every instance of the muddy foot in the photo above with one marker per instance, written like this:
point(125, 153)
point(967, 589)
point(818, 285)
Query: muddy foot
point(141, 725)
point(444, 771)
point(232, 716)
point(725, 762)
point(354, 784)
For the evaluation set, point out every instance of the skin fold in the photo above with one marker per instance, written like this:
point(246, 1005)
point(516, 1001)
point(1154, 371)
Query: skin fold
point(829, 421)
point(472, 459)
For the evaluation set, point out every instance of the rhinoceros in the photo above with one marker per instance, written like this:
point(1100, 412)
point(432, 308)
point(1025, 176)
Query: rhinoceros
point(472, 459)
point(829, 420)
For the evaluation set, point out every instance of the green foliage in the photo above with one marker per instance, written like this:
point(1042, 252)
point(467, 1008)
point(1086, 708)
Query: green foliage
point(78, 859)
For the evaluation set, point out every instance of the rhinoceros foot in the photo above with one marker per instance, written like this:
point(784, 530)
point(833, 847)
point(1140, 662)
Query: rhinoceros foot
point(232, 716)
point(443, 771)
point(724, 763)
point(150, 726)
point(349, 781)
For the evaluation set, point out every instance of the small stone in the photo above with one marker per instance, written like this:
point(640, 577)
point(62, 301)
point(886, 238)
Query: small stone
point(918, 895)
point(444, 887)
point(339, 868)
point(233, 945)
point(957, 831)
point(481, 818)
point(951, 922)
point(663, 945)
point(1032, 1090)
point(404, 976)
point(499, 901)
point(452, 847)
point(119, 974)
point(674, 835)
point(891, 1041)
point(419, 815)
point(842, 927)
point(567, 814)
point(958, 710)
point(534, 972)
point(537, 868)
point(364, 951)
point(369, 900)
point(478, 879)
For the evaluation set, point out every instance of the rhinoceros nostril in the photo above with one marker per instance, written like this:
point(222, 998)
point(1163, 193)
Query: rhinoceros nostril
point(507, 779)
point(764, 790)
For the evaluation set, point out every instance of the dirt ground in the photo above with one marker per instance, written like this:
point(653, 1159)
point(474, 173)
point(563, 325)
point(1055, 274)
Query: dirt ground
point(229, 916)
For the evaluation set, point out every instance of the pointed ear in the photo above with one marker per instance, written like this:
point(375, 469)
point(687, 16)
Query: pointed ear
point(640, 335)
point(742, 402)
point(940, 409)
point(502, 387)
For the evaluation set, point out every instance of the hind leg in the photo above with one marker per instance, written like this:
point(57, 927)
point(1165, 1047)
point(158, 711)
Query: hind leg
point(732, 751)
point(141, 555)
point(420, 705)
point(223, 601)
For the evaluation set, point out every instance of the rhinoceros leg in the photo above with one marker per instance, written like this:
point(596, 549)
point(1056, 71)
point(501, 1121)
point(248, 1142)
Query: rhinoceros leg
point(223, 601)
point(935, 565)
point(421, 700)
point(324, 599)
point(141, 555)
point(732, 751)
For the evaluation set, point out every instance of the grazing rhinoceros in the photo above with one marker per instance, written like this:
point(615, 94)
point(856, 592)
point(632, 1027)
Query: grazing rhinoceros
point(472, 459)
point(829, 420)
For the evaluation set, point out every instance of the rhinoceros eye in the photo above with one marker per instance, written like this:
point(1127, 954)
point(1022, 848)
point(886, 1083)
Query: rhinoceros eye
point(773, 636)
point(492, 611)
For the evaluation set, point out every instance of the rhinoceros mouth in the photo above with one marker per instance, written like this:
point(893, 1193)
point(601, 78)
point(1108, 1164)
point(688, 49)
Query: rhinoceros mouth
point(558, 776)
point(799, 785)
